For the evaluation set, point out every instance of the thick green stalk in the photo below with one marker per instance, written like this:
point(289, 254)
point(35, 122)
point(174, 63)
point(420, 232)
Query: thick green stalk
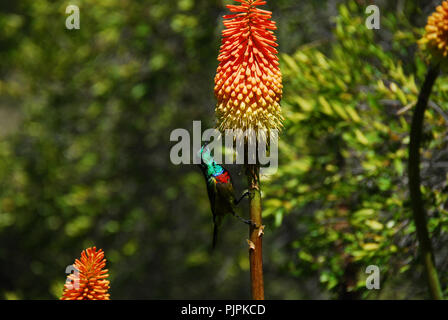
point(418, 209)
point(255, 233)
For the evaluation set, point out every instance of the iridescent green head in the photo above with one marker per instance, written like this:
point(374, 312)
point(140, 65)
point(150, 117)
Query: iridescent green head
point(208, 165)
point(206, 156)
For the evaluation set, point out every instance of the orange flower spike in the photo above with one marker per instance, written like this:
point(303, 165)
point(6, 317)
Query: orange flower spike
point(436, 35)
point(248, 82)
point(89, 280)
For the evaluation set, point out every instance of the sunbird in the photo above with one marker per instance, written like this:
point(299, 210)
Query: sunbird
point(220, 191)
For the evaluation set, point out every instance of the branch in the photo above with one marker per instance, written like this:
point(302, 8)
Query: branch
point(436, 107)
point(418, 209)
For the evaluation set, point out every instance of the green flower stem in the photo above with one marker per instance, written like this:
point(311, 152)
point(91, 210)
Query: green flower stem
point(418, 209)
point(255, 233)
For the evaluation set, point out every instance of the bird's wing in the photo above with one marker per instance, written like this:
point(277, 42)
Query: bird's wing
point(227, 195)
point(212, 193)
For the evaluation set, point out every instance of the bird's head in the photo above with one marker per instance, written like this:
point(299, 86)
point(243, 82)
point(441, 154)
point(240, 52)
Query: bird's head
point(206, 157)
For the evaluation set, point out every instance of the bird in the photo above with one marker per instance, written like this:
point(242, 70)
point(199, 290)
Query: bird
point(220, 191)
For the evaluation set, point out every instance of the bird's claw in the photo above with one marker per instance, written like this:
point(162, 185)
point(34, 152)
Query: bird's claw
point(251, 194)
point(254, 225)
point(247, 221)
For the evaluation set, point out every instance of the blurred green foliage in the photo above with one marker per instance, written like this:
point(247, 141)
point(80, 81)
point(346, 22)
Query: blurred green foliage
point(344, 154)
point(85, 118)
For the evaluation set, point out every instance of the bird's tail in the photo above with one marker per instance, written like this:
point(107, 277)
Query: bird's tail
point(215, 235)
point(217, 222)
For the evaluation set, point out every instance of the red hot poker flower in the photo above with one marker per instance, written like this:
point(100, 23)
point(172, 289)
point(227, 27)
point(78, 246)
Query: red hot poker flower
point(248, 82)
point(88, 282)
point(436, 35)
